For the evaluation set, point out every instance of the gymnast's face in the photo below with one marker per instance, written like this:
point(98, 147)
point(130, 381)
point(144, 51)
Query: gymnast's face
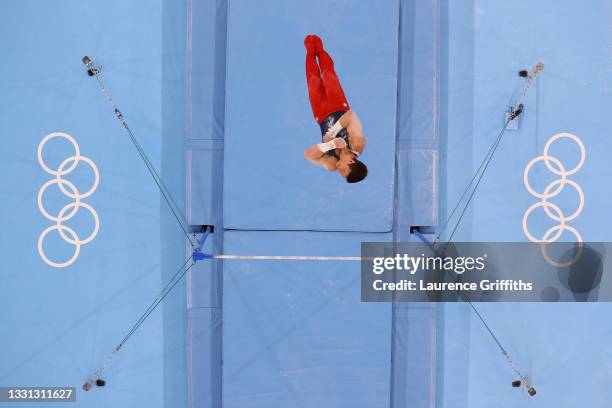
point(343, 166)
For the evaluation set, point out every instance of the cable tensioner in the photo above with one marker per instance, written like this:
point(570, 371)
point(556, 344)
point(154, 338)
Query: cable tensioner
point(92, 69)
point(525, 382)
point(515, 112)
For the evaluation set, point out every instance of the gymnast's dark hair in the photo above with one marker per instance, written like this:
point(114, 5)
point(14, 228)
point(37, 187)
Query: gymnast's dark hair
point(358, 172)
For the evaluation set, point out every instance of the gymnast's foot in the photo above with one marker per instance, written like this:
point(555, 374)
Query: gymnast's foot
point(309, 44)
point(318, 43)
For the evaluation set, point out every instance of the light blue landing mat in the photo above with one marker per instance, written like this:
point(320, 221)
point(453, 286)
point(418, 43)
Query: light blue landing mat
point(268, 184)
point(295, 333)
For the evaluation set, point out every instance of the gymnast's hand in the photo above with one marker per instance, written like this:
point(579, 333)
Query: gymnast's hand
point(330, 135)
point(339, 142)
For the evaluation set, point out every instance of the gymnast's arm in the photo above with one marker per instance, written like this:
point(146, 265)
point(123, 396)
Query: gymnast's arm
point(352, 124)
point(314, 155)
point(355, 132)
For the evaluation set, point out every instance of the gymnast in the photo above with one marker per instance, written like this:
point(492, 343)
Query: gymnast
point(343, 139)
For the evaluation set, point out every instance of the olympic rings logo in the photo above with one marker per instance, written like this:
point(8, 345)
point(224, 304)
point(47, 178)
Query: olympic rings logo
point(553, 189)
point(70, 190)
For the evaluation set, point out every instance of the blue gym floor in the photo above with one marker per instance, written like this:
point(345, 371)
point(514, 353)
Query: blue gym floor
point(215, 92)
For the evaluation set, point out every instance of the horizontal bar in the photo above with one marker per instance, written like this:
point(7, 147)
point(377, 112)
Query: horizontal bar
point(288, 257)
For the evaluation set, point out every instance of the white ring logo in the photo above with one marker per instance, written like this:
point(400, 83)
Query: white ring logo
point(70, 190)
point(553, 189)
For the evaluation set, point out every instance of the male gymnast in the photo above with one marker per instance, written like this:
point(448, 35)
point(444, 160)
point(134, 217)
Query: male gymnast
point(343, 139)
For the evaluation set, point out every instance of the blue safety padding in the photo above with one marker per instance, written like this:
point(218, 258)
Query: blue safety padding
point(417, 190)
point(207, 32)
point(268, 183)
point(204, 182)
point(204, 327)
point(415, 362)
point(295, 333)
point(414, 354)
point(419, 76)
point(418, 116)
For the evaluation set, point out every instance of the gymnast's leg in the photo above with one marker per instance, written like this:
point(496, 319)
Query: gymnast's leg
point(331, 84)
point(316, 93)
